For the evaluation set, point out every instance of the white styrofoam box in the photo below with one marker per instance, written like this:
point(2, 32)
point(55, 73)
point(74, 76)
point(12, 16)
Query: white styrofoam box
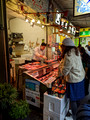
point(50, 116)
point(26, 56)
point(19, 60)
point(55, 104)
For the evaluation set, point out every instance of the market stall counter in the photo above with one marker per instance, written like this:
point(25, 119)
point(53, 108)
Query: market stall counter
point(36, 79)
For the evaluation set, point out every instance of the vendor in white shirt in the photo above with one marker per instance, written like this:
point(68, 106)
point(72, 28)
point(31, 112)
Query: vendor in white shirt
point(39, 53)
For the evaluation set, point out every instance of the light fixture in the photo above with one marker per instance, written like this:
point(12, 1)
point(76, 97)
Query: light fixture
point(60, 30)
point(31, 23)
point(68, 31)
point(26, 19)
point(33, 20)
point(38, 22)
point(42, 26)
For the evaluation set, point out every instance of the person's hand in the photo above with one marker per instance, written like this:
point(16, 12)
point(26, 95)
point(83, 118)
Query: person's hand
point(44, 57)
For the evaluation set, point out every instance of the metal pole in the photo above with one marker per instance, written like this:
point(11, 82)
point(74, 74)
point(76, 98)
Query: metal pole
point(47, 41)
point(4, 52)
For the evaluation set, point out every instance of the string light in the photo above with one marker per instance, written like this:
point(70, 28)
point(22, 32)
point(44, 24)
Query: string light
point(42, 26)
point(68, 31)
point(31, 23)
point(33, 20)
point(60, 30)
point(38, 22)
point(26, 19)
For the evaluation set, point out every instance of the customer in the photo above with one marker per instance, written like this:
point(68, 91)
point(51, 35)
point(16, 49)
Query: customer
point(72, 69)
point(86, 64)
point(39, 53)
point(87, 47)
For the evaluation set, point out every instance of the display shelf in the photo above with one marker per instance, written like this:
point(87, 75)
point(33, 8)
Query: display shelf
point(54, 64)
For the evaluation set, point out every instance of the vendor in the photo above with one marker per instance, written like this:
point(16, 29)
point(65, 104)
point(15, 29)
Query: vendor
point(39, 53)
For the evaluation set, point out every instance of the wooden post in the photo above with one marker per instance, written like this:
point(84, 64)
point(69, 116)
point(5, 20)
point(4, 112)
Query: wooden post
point(47, 41)
point(4, 52)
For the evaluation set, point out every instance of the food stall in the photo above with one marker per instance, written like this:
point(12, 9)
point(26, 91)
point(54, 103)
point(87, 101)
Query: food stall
point(41, 87)
point(41, 74)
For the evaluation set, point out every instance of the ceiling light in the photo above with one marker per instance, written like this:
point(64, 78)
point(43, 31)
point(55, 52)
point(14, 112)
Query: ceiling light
point(60, 30)
point(26, 20)
point(38, 22)
point(33, 20)
point(68, 31)
point(31, 23)
point(42, 26)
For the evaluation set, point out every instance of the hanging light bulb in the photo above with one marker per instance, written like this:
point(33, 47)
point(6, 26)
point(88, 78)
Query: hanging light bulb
point(60, 30)
point(42, 26)
point(33, 20)
point(38, 22)
point(26, 19)
point(31, 23)
point(68, 31)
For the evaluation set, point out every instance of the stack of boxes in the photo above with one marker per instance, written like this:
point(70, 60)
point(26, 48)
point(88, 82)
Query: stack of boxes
point(55, 108)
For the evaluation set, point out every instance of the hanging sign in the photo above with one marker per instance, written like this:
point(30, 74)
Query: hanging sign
point(64, 23)
point(84, 32)
point(72, 29)
point(58, 18)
